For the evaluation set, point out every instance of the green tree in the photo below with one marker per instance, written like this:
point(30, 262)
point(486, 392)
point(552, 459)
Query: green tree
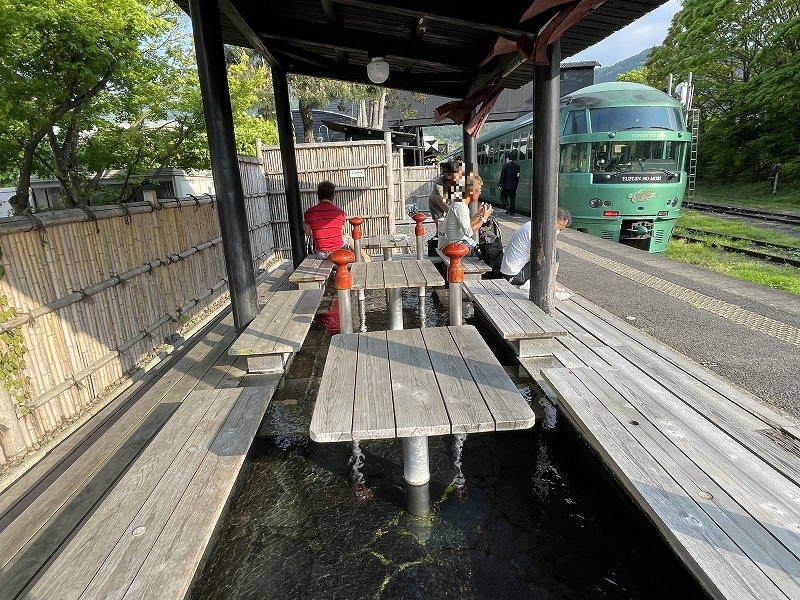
point(744, 60)
point(56, 57)
point(313, 93)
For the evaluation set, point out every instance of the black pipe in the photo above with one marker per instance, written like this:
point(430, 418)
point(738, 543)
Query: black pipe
point(207, 28)
point(283, 114)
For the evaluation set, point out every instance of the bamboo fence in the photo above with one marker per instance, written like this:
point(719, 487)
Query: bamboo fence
point(413, 185)
point(363, 185)
point(98, 290)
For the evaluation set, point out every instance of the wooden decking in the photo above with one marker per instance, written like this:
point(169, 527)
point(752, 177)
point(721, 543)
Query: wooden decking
point(716, 471)
point(126, 485)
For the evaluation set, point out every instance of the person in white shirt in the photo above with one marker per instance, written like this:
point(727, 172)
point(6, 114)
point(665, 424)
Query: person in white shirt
point(516, 265)
point(459, 226)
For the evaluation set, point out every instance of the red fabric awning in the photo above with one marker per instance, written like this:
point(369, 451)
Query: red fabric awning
point(567, 13)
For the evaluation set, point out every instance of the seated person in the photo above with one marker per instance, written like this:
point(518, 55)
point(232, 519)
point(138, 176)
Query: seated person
point(516, 266)
point(324, 222)
point(445, 188)
point(459, 226)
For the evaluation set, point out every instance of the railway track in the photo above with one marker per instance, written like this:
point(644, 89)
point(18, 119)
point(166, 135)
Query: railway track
point(752, 213)
point(790, 256)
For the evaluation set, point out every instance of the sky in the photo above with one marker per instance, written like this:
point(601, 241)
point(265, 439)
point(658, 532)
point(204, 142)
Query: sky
point(646, 32)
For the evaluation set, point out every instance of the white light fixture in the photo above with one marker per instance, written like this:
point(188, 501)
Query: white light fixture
point(378, 70)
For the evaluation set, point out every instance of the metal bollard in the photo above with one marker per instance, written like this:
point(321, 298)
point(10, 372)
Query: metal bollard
point(419, 232)
point(343, 282)
point(455, 277)
point(357, 222)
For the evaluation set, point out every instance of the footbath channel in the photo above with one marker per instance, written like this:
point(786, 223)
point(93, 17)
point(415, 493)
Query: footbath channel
point(540, 517)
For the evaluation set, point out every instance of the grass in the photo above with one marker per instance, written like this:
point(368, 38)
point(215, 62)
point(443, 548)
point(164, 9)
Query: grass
point(785, 278)
point(755, 195)
point(693, 219)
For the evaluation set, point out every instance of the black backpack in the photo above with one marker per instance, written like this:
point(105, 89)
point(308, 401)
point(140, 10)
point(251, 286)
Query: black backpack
point(490, 245)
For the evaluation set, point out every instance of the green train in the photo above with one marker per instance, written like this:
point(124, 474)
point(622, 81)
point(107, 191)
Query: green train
point(623, 151)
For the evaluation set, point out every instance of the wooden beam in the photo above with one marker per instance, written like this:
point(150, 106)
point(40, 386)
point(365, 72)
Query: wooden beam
point(243, 26)
point(498, 21)
point(338, 38)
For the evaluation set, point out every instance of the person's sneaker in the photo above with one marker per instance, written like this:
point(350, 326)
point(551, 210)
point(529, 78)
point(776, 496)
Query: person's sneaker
point(562, 295)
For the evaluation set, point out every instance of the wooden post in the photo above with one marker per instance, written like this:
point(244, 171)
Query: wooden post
point(544, 201)
point(387, 138)
point(343, 282)
point(207, 28)
point(455, 277)
point(402, 178)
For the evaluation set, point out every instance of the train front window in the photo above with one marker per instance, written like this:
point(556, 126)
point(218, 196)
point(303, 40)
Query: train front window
point(576, 122)
point(623, 118)
point(573, 158)
point(644, 155)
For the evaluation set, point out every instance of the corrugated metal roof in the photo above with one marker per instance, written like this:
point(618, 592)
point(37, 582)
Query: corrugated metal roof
point(430, 47)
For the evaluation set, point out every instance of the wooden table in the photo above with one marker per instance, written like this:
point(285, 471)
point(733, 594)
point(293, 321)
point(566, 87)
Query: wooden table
point(413, 384)
point(393, 276)
point(387, 243)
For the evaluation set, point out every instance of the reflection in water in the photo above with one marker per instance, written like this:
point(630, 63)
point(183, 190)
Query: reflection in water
point(299, 529)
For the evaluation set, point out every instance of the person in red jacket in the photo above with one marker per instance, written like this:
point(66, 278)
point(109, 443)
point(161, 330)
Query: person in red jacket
point(324, 222)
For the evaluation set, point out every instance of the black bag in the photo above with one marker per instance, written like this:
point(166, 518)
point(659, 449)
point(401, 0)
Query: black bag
point(490, 245)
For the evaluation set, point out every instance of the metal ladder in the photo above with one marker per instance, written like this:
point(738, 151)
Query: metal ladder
point(694, 124)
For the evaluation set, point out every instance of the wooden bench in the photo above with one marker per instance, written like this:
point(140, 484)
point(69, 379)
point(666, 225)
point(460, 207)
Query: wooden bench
point(715, 470)
point(274, 280)
point(150, 536)
point(474, 267)
point(270, 340)
point(312, 273)
point(523, 325)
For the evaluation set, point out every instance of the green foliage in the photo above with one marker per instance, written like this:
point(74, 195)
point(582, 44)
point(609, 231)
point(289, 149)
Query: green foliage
point(12, 354)
point(745, 61)
point(94, 88)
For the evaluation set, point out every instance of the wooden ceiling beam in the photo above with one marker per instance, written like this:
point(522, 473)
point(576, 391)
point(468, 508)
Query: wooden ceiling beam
point(243, 26)
point(498, 21)
point(375, 44)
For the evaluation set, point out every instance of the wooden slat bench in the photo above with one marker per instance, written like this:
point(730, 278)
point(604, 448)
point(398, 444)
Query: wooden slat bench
point(151, 534)
point(312, 273)
point(715, 470)
point(275, 280)
point(730, 515)
point(278, 331)
point(474, 267)
point(526, 327)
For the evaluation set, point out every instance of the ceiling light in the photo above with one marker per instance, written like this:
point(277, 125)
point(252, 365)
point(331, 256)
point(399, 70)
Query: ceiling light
point(378, 70)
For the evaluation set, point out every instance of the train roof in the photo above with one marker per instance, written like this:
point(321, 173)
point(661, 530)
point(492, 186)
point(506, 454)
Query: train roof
point(618, 92)
point(599, 94)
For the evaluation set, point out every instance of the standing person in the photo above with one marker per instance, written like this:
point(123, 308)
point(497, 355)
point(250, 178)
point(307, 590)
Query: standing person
point(459, 226)
point(446, 188)
point(324, 222)
point(516, 266)
point(509, 182)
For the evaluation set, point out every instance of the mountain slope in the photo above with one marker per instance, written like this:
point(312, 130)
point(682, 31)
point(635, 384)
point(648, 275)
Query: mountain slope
point(604, 74)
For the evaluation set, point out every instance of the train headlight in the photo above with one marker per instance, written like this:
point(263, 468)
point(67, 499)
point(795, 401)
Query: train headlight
point(595, 202)
point(675, 202)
